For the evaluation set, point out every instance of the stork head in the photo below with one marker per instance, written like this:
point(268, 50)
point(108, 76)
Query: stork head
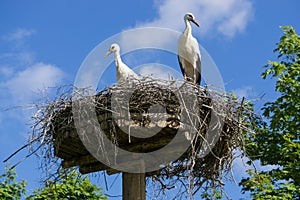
point(189, 17)
point(113, 48)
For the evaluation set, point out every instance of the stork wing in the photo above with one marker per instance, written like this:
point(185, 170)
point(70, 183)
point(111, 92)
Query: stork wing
point(198, 69)
point(190, 72)
point(181, 66)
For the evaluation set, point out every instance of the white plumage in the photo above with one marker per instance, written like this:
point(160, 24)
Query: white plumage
point(189, 56)
point(123, 71)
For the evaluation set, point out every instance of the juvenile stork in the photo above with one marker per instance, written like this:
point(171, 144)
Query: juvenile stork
point(123, 71)
point(189, 56)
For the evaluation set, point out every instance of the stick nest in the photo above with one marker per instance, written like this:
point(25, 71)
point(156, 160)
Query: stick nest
point(124, 111)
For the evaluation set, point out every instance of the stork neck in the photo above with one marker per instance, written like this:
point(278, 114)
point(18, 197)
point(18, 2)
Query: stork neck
point(188, 28)
point(118, 58)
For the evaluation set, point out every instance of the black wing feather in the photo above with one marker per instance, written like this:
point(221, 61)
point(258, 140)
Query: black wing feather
point(198, 75)
point(181, 67)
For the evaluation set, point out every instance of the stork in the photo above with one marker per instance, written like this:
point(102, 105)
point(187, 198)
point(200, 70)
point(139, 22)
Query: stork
point(189, 56)
point(123, 71)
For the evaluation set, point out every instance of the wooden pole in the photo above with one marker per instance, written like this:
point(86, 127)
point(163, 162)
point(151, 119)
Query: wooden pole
point(134, 186)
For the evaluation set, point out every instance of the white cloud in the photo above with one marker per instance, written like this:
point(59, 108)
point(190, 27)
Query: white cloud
point(6, 71)
point(20, 58)
point(245, 91)
point(240, 166)
point(23, 77)
point(25, 84)
point(234, 24)
point(158, 71)
point(158, 38)
point(19, 34)
point(226, 17)
point(18, 38)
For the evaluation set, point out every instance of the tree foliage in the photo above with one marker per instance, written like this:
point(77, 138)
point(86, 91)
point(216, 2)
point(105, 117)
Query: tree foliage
point(278, 141)
point(9, 187)
point(70, 186)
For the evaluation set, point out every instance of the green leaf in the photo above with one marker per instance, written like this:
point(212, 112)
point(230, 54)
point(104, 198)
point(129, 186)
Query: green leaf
point(277, 140)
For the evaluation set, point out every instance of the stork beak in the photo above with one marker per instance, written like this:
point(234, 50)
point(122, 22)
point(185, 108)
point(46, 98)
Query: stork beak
point(108, 53)
point(195, 22)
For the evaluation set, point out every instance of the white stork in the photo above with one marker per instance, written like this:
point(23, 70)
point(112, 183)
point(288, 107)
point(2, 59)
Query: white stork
point(123, 71)
point(189, 56)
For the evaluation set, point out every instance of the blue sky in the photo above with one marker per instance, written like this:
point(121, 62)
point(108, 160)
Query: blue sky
point(43, 43)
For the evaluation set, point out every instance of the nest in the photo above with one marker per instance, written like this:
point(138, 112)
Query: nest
point(128, 114)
